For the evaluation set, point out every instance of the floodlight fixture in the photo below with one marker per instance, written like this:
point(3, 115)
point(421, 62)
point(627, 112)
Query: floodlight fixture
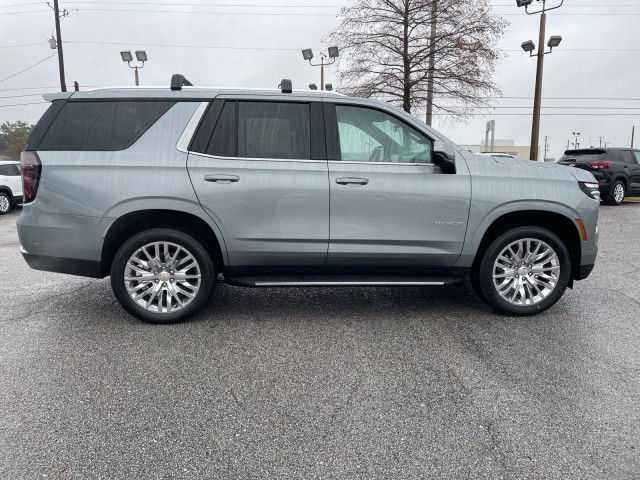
point(307, 54)
point(126, 56)
point(333, 52)
point(554, 41)
point(313, 86)
point(141, 55)
point(328, 87)
point(528, 46)
point(524, 3)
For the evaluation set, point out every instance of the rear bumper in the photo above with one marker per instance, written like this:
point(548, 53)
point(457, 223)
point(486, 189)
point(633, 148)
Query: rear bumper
point(71, 266)
point(61, 243)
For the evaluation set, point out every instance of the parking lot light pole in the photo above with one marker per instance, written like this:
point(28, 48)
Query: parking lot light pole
point(333, 52)
point(529, 46)
point(141, 56)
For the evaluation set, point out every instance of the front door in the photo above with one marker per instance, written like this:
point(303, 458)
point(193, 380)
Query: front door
point(392, 209)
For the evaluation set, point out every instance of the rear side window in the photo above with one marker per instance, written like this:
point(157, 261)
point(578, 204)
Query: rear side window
point(9, 170)
point(626, 157)
point(276, 130)
point(101, 126)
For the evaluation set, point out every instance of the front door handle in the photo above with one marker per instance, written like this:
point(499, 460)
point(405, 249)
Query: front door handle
point(352, 181)
point(219, 178)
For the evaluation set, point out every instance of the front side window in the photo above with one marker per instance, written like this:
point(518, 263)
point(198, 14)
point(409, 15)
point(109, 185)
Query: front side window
point(368, 135)
point(637, 155)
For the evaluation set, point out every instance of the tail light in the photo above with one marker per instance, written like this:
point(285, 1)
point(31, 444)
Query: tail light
point(601, 164)
point(31, 169)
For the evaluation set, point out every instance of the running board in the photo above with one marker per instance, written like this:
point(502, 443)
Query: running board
point(342, 281)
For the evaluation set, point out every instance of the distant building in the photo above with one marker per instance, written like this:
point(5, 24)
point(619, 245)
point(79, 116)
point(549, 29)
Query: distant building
point(502, 146)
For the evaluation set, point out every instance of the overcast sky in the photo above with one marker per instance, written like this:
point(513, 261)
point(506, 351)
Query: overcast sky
point(591, 82)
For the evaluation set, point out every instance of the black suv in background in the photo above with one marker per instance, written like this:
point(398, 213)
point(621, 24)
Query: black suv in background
point(617, 170)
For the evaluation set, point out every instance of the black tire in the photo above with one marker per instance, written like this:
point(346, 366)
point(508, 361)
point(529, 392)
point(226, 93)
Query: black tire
point(616, 194)
point(177, 276)
point(5, 203)
point(550, 274)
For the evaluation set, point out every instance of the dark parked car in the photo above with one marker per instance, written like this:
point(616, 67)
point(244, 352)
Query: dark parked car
point(616, 169)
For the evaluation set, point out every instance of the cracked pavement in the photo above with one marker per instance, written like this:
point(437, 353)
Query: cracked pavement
point(323, 383)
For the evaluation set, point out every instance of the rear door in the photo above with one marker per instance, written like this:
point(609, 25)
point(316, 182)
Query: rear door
point(259, 170)
point(392, 209)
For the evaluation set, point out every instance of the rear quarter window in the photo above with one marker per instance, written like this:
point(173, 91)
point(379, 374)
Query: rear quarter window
point(101, 125)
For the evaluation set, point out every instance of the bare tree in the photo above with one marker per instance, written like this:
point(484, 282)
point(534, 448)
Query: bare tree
point(420, 54)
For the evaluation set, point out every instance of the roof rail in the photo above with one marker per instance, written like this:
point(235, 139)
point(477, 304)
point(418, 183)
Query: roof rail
point(286, 85)
point(178, 81)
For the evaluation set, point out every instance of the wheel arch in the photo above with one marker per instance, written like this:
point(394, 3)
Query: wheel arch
point(135, 222)
point(559, 224)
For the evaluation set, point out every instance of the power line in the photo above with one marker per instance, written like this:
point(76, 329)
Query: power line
point(28, 68)
point(21, 104)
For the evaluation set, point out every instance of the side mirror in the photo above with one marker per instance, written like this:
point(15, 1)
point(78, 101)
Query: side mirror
point(444, 156)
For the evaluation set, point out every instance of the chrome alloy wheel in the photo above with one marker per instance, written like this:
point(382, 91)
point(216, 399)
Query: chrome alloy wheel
point(618, 193)
point(526, 272)
point(162, 277)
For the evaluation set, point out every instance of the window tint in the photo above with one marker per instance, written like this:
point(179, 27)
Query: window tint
point(223, 141)
point(368, 135)
point(626, 157)
point(107, 125)
point(10, 170)
point(274, 130)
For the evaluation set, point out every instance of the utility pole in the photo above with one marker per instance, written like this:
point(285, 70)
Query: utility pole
point(600, 138)
point(633, 131)
point(546, 148)
point(56, 12)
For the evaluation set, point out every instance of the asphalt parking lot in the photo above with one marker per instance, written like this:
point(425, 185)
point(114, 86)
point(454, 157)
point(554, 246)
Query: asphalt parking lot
point(323, 383)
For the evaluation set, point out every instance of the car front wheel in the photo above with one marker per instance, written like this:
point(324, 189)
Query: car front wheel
point(162, 275)
point(524, 271)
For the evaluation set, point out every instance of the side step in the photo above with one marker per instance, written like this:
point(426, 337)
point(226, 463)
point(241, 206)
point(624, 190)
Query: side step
point(342, 281)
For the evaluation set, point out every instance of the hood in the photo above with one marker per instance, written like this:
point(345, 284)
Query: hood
point(579, 174)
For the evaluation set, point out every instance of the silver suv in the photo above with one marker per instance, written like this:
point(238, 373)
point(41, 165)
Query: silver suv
point(171, 190)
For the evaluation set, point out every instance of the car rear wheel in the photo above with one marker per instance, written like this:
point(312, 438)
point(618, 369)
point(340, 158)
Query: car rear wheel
point(616, 195)
point(162, 275)
point(5, 203)
point(524, 271)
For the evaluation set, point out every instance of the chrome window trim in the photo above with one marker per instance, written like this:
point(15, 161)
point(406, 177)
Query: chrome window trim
point(251, 159)
point(190, 129)
point(364, 162)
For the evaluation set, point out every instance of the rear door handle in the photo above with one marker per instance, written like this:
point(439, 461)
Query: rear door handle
point(352, 181)
point(220, 178)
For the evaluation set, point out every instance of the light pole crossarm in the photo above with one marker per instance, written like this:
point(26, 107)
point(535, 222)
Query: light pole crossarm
point(544, 8)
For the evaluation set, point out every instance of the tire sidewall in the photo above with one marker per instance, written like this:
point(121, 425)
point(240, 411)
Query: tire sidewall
point(613, 193)
point(492, 296)
point(5, 196)
point(207, 269)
